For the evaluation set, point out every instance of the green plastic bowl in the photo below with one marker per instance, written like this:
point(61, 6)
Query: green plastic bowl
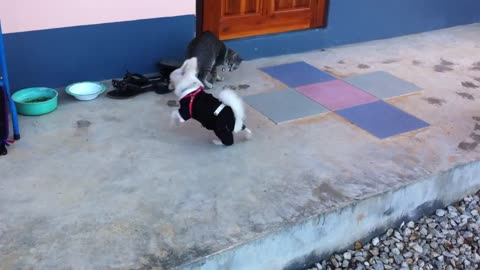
point(35, 101)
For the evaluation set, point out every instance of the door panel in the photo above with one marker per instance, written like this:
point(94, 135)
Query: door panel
point(291, 4)
point(251, 6)
point(230, 19)
point(244, 7)
point(232, 7)
point(301, 3)
point(284, 4)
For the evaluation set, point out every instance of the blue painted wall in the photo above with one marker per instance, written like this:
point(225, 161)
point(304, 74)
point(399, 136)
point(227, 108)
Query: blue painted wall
point(58, 57)
point(351, 21)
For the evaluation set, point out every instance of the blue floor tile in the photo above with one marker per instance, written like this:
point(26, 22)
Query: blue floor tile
point(382, 119)
point(284, 105)
point(297, 74)
point(383, 84)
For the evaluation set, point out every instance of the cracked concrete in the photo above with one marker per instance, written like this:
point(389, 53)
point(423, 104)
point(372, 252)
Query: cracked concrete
point(107, 184)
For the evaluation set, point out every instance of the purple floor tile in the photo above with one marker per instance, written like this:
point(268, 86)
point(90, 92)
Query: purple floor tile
point(336, 95)
point(297, 74)
point(382, 119)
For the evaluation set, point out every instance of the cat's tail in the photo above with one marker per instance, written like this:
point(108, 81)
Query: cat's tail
point(230, 98)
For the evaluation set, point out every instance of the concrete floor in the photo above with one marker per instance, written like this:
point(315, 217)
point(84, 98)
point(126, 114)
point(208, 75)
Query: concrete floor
point(108, 185)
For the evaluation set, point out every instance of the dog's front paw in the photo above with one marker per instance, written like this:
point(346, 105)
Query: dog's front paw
point(217, 142)
point(175, 119)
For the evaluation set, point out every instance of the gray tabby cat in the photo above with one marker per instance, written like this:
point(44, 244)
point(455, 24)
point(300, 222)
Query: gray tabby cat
point(212, 53)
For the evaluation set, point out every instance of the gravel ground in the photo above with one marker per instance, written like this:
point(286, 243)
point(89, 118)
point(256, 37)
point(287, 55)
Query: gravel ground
point(449, 239)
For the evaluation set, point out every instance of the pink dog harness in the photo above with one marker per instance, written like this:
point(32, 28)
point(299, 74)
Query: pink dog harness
point(192, 98)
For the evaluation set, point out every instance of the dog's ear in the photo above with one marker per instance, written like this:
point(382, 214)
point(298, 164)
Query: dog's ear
point(184, 65)
point(191, 66)
point(175, 77)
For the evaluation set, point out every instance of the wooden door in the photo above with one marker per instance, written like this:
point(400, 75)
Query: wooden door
point(230, 19)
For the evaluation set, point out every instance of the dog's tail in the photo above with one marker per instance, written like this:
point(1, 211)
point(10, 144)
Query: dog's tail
point(230, 98)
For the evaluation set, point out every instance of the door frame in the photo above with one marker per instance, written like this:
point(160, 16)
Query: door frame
point(199, 15)
point(199, 18)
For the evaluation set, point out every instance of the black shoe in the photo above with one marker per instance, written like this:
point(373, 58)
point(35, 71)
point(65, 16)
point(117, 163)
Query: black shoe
point(134, 84)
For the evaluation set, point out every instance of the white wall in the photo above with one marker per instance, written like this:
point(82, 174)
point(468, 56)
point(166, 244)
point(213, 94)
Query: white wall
point(28, 15)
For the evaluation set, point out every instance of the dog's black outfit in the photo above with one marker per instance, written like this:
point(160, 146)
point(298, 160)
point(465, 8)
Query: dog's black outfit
point(210, 112)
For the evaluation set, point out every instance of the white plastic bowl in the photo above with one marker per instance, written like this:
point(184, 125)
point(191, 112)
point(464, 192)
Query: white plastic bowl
point(85, 90)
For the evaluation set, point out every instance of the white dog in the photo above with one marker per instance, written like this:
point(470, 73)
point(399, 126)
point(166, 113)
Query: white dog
point(225, 115)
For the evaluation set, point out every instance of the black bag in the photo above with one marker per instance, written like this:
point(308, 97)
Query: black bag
point(3, 122)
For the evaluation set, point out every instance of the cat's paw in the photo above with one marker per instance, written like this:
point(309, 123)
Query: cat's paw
point(220, 78)
point(208, 85)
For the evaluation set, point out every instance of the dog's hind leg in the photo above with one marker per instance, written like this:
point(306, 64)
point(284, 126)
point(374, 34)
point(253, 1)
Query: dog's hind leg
point(225, 136)
point(247, 133)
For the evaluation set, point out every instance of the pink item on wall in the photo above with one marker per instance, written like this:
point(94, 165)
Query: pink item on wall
point(29, 15)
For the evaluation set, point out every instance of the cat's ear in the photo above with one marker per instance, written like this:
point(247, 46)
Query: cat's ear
point(238, 57)
point(234, 55)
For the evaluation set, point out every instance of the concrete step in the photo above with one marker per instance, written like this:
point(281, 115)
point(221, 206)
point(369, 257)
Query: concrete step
point(300, 245)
